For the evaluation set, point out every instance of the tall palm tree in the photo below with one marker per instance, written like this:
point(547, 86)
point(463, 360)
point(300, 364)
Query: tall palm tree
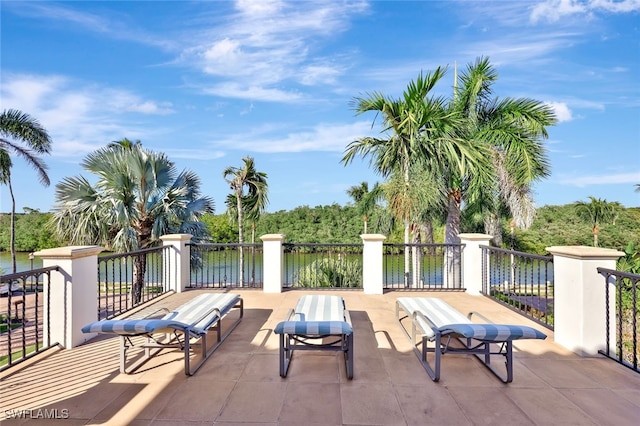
point(597, 211)
point(138, 197)
point(418, 129)
point(248, 205)
point(23, 135)
point(509, 131)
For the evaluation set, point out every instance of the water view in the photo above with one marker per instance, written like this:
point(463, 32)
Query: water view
point(23, 262)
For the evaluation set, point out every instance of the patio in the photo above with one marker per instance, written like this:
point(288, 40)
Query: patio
point(240, 383)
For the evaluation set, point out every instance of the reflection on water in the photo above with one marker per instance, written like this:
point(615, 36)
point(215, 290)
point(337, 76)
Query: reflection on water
point(23, 263)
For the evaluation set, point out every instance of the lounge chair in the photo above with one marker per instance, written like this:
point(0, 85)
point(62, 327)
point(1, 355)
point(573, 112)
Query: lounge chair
point(175, 329)
point(318, 322)
point(437, 322)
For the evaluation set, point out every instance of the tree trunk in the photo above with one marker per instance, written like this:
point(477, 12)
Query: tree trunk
point(451, 274)
point(139, 270)
point(492, 226)
point(407, 254)
point(240, 240)
point(595, 235)
point(13, 228)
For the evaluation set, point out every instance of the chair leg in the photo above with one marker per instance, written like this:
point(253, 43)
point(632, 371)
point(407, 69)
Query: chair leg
point(285, 354)
point(349, 356)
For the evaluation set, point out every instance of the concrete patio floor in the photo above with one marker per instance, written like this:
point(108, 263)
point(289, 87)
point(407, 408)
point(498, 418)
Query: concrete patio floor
point(240, 383)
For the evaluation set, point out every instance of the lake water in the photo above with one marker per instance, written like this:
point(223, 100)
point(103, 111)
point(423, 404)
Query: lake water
point(23, 262)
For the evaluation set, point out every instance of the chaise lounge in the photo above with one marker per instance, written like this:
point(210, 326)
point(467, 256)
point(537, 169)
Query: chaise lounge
point(186, 326)
point(437, 322)
point(318, 322)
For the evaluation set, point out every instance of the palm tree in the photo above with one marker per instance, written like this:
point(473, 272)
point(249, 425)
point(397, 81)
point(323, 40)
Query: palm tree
point(249, 205)
point(25, 130)
point(509, 132)
point(419, 129)
point(597, 211)
point(365, 200)
point(138, 197)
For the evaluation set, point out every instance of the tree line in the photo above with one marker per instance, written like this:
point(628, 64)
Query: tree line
point(552, 226)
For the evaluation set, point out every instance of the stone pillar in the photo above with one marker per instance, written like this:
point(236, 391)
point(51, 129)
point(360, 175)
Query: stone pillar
point(177, 261)
point(579, 298)
point(72, 294)
point(372, 268)
point(472, 261)
point(272, 260)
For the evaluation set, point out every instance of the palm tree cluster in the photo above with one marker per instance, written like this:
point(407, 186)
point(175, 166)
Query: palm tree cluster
point(138, 197)
point(23, 135)
point(472, 151)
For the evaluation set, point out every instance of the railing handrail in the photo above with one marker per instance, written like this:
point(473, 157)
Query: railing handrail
point(517, 253)
point(130, 253)
point(622, 355)
point(28, 273)
point(617, 273)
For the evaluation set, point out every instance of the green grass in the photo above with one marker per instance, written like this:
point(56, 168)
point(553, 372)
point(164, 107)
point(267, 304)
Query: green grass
point(4, 359)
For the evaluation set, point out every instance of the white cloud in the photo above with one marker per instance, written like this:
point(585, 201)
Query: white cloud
point(554, 10)
point(323, 137)
point(267, 43)
point(562, 111)
point(80, 117)
point(618, 178)
point(193, 154)
point(255, 93)
point(115, 26)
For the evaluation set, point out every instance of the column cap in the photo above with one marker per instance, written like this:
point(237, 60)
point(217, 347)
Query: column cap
point(475, 237)
point(373, 237)
point(69, 252)
point(585, 252)
point(272, 237)
point(176, 237)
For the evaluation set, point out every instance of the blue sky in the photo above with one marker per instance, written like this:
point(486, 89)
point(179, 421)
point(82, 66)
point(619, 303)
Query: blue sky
point(210, 82)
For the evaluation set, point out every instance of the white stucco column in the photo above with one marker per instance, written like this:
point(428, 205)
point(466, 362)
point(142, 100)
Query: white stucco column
point(472, 261)
point(177, 261)
point(372, 258)
point(72, 295)
point(579, 298)
point(272, 260)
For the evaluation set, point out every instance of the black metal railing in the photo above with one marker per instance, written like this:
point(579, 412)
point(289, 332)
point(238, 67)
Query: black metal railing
point(520, 281)
point(322, 266)
point(218, 265)
point(626, 305)
point(22, 315)
point(126, 280)
point(422, 267)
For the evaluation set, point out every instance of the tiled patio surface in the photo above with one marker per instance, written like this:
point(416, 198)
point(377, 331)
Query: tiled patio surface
point(240, 383)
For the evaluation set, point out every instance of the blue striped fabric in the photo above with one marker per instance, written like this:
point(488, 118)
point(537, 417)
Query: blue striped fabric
point(313, 328)
point(316, 315)
point(493, 332)
point(198, 314)
point(448, 320)
point(320, 308)
point(132, 327)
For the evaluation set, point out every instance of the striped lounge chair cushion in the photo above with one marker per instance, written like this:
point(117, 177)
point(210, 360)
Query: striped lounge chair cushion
point(313, 328)
point(198, 314)
point(437, 310)
point(131, 327)
point(448, 320)
point(316, 315)
point(493, 332)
